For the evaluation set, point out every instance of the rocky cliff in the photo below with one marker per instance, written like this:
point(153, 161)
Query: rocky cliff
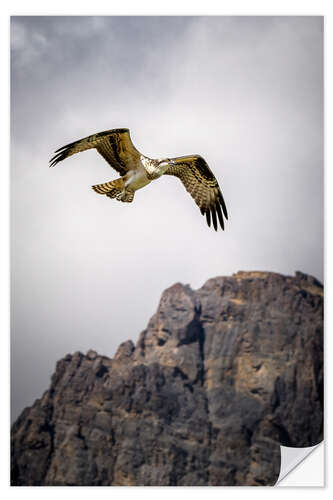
point(219, 379)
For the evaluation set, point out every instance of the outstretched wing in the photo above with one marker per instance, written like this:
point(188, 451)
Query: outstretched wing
point(200, 182)
point(114, 145)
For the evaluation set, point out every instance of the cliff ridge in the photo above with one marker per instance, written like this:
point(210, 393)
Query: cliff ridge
point(217, 381)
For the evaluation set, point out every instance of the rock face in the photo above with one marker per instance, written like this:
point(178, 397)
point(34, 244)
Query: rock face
point(219, 379)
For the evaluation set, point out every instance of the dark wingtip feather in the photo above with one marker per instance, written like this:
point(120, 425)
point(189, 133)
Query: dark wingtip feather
point(61, 149)
point(224, 208)
point(58, 157)
point(54, 162)
point(214, 218)
point(55, 157)
point(70, 145)
point(208, 216)
point(220, 216)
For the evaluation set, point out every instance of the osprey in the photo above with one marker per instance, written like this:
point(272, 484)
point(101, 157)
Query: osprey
point(137, 171)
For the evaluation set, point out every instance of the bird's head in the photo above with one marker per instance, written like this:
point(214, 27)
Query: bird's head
point(164, 163)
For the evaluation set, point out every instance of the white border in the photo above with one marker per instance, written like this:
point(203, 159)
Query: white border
point(134, 7)
point(172, 7)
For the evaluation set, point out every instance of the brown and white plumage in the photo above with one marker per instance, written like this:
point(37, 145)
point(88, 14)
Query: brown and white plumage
point(202, 185)
point(137, 171)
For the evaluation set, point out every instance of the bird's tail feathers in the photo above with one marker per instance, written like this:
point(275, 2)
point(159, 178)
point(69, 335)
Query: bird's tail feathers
point(111, 188)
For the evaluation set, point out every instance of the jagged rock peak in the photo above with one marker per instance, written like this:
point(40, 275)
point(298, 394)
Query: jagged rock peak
point(217, 381)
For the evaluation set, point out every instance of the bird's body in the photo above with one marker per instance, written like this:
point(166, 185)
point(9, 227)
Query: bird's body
point(137, 171)
point(136, 179)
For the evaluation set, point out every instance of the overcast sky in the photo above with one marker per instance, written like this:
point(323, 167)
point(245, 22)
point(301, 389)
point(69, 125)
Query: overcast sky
point(244, 92)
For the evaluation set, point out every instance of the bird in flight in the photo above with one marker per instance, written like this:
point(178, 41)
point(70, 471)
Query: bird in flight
point(137, 170)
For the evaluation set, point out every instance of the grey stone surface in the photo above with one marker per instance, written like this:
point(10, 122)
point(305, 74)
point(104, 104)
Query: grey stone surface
point(219, 379)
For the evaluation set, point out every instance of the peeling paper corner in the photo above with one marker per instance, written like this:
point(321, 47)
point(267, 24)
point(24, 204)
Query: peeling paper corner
point(296, 465)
